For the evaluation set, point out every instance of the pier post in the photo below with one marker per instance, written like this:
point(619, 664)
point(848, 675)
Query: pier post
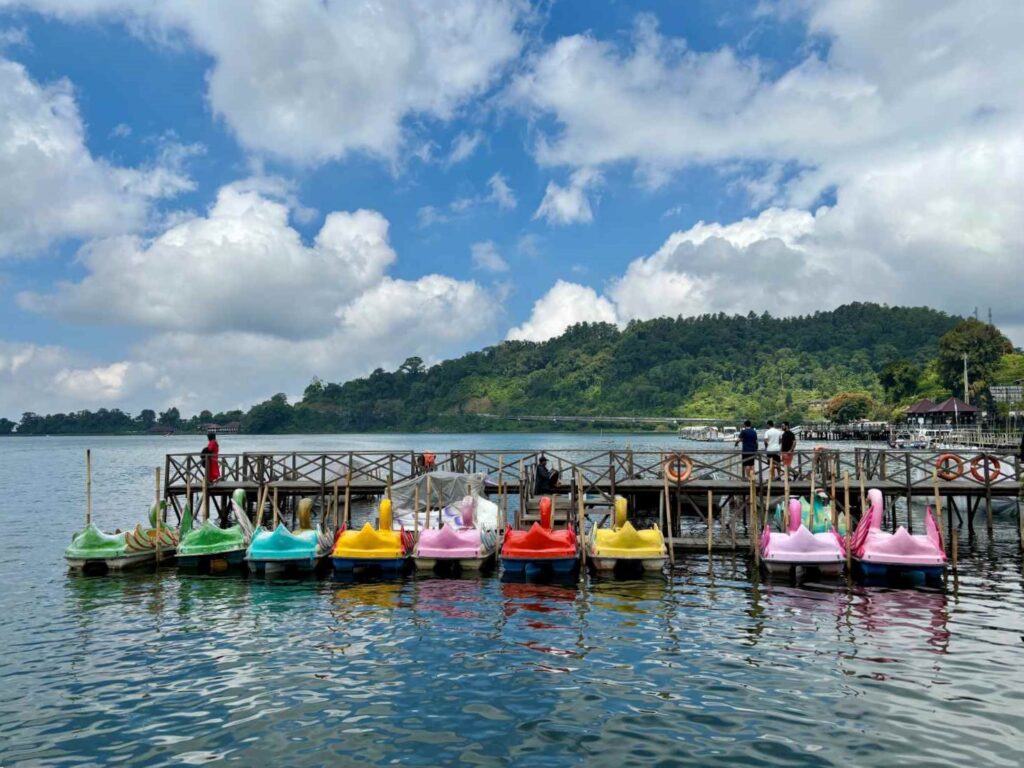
point(522, 497)
point(158, 516)
point(1020, 490)
point(938, 499)
point(711, 522)
point(988, 498)
point(752, 523)
point(88, 487)
point(348, 489)
point(846, 511)
point(910, 516)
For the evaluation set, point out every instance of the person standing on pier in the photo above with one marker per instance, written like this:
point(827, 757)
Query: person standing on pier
point(546, 481)
point(211, 452)
point(773, 447)
point(788, 448)
point(748, 437)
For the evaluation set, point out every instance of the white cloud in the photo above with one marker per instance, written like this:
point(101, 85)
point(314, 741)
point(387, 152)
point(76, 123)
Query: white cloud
point(53, 188)
point(239, 308)
point(569, 205)
point(464, 145)
point(206, 272)
point(564, 305)
point(487, 258)
point(314, 81)
point(501, 193)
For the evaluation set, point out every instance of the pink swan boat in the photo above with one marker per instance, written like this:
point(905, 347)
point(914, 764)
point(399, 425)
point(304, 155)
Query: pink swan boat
point(878, 553)
point(799, 548)
point(466, 547)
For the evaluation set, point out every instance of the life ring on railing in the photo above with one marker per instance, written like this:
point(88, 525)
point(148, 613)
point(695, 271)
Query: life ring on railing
point(674, 464)
point(988, 474)
point(944, 472)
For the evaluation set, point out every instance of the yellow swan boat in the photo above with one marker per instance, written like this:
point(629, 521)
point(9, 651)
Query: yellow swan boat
point(370, 547)
point(623, 546)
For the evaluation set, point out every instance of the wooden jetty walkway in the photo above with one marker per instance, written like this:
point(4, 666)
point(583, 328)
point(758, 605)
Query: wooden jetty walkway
point(698, 481)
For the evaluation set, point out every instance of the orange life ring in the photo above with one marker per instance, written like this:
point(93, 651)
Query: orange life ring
point(672, 468)
point(949, 474)
point(992, 472)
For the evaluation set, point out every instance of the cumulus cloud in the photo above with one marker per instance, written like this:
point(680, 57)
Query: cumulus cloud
point(239, 307)
point(486, 257)
point(571, 204)
point(206, 273)
point(564, 305)
point(314, 81)
point(53, 187)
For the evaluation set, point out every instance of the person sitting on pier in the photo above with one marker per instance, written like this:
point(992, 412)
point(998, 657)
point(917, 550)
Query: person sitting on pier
point(748, 436)
point(211, 451)
point(788, 448)
point(546, 481)
point(773, 448)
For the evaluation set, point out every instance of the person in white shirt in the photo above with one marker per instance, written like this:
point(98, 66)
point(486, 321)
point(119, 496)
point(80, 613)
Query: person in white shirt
point(773, 447)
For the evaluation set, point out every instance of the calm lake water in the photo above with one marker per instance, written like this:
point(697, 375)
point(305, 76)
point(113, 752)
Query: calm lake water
point(708, 666)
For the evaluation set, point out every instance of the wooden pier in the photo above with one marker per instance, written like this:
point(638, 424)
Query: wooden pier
point(711, 480)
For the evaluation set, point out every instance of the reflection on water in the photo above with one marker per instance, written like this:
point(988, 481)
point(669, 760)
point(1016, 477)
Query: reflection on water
point(707, 665)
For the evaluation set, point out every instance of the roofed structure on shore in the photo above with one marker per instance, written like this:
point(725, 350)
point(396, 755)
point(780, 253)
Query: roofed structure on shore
point(952, 410)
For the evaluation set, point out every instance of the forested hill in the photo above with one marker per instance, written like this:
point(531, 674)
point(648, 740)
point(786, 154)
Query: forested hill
point(860, 360)
point(712, 365)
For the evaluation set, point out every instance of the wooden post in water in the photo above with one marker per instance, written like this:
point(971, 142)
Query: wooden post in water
point(501, 494)
point(910, 516)
point(581, 521)
point(348, 490)
point(711, 522)
point(158, 521)
point(426, 522)
point(667, 519)
point(416, 510)
point(88, 487)
point(846, 506)
point(391, 473)
point(206, 497)
point(767, 499)
point(863, 496)
point(835, 497)
point(988, 498)
point(522, 493)
point(938, 500)
point(1020, 511)
point(335, 531)
point(752, 522)
point(276, 514)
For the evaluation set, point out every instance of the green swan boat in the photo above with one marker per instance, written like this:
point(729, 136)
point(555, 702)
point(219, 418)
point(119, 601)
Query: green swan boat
point(92, 549)
point(212, 547)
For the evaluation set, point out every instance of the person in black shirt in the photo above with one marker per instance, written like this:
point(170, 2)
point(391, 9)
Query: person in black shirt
point(546, 480)
point(788, 447)
point(748, 436)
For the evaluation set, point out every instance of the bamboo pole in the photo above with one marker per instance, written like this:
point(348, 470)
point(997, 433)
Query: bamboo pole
point(426, 523)
point(668, 506)
point(863, 496)
point(206, 499)
point(158, 521)
point(335, 505)
point(846, 506)
point(938, 499)
point(416, 510)
point(835, 500)
point(275, 511)
point(752, 522)
point(785, 500)
point(501, 483)
point(391, 473)
point(348, 491)
point(711, 522)
point(767, 498)
point(261, 502)
point(88, 487)
point(581, 521)
point(522, 497)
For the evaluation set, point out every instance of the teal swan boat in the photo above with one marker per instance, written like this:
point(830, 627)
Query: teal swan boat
point(300, 550)
point(210, 547)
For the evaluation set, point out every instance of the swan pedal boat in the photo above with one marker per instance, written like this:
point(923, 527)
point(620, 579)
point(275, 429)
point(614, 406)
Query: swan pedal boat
point(540, 551)
point(623, 547)
point(879, 554)
point(210, 547)
point(372, 548)
point(464, 547)
point(799, 548)
point(92, 549)
point(303, 549)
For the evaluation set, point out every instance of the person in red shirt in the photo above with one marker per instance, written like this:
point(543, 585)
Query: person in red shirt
point(212, 464)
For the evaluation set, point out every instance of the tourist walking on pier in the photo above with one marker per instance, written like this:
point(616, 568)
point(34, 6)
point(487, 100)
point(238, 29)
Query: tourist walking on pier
point(211, 452)
point(773, 447)
point(788, 448)
point(748, 437)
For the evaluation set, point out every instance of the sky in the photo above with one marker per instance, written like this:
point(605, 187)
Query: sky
point(203, 204)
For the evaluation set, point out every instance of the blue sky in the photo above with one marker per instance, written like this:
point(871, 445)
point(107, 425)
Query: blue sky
point(210, 204)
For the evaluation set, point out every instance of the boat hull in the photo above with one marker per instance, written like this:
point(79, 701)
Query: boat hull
point(386, 565)
point(454, 564)
point(898, 571)
point(539, 567)
point(213, 561)
point(632, 564)
point(118, 562)
point(789, 567)
point(266, 566)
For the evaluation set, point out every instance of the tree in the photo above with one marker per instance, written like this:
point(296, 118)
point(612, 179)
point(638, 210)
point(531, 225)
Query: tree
point(273, 415)
point(849, 406)
point(170, 418)
point(984, 346)
point(412, 365)
point(146, 418)
point(899, 379)
point(6, 426)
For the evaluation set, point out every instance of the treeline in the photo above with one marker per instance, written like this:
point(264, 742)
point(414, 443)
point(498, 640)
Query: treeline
point(114, 422)
point(858, 361)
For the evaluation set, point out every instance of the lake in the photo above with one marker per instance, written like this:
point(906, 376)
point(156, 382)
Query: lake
point(710, 665)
